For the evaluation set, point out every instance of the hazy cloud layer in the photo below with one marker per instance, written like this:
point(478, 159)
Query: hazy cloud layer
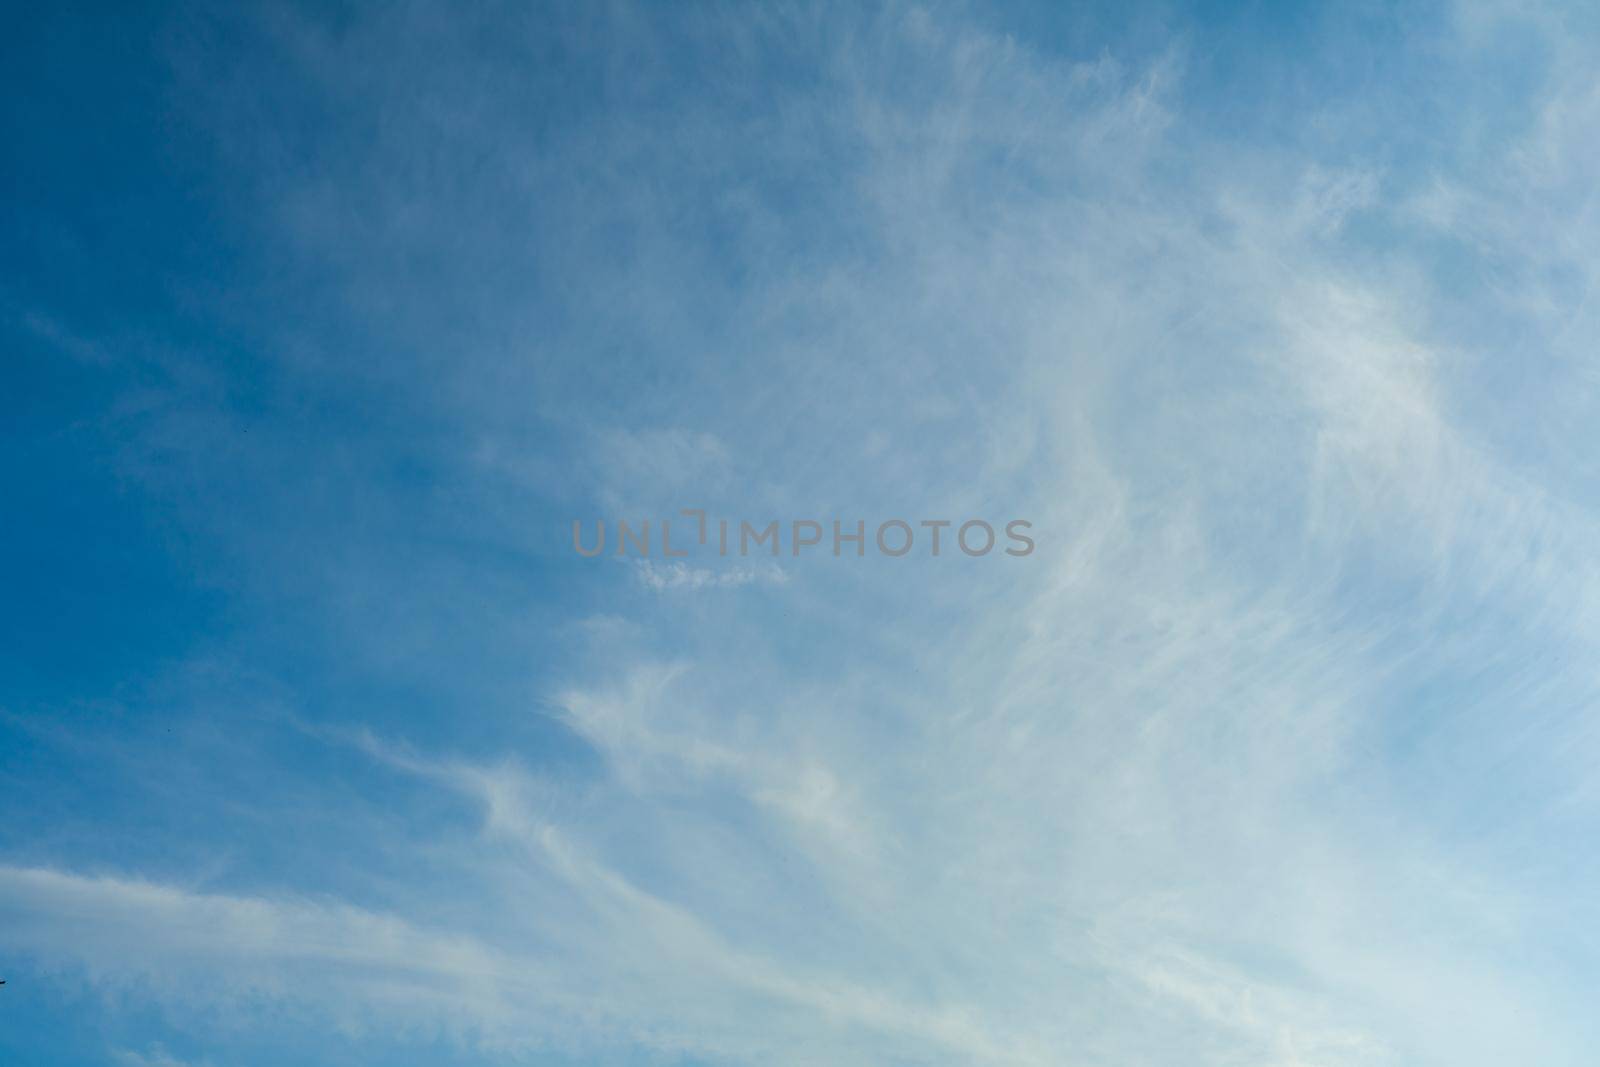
point(1277, 751)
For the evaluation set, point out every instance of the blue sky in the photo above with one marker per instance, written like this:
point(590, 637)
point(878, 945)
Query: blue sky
point(321, 324)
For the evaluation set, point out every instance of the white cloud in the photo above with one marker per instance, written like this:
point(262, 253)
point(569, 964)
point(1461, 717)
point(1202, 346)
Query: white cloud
point(675, 577)
point(156, 1056)
point(1136, 799)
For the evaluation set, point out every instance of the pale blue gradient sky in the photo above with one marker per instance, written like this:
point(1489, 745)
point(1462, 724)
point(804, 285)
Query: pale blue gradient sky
point(318, 744)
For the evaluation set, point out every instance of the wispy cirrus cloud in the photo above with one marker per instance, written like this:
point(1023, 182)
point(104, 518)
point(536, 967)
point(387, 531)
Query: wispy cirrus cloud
point(673, 577)
point(1272, 753)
